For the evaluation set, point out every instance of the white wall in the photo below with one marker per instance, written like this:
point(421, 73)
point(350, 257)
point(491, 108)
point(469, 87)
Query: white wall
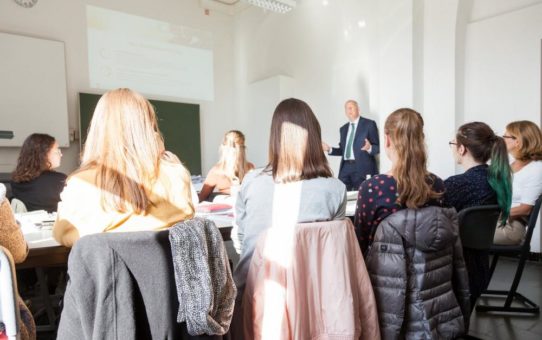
point(65, 20)
point(502, 68)
point(322, 49)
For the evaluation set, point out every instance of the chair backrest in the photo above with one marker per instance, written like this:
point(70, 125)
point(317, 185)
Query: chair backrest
point(18, 206)
point(9, 311)
point(477, 226)
point(532, 223)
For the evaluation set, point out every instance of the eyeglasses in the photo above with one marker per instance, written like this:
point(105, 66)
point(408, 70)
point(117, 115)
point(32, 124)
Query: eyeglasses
point(452, 143)
point(506, 136)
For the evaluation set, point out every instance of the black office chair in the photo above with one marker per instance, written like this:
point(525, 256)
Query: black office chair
point(477, 226)
point(477, 229)
point(522, 251)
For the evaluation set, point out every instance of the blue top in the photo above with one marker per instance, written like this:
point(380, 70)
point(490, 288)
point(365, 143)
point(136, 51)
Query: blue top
point(469, 189)
point(377, 199)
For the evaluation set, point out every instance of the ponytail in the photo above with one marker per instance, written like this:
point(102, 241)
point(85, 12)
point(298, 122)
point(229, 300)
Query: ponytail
point(499, 176)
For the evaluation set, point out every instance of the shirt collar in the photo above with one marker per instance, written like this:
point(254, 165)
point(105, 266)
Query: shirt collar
point(355, 122)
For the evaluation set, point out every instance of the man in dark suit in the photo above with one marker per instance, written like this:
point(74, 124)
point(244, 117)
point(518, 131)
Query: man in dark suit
point(358, 147)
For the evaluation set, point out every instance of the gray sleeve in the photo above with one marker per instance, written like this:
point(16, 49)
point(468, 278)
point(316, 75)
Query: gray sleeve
point(341, 212)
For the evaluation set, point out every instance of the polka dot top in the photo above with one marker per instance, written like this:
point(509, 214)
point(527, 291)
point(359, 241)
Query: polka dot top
point(377, 199)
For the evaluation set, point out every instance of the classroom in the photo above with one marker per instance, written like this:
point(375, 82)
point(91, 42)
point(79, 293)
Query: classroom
point(227, 64)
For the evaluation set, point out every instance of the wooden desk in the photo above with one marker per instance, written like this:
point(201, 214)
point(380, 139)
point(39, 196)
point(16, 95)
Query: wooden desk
point(45, 257)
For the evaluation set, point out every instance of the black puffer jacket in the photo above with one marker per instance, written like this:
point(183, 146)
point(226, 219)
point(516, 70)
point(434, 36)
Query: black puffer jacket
point(418, 274)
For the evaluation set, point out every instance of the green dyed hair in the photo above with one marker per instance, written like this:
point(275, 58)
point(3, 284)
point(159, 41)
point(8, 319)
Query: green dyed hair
point(484, 145)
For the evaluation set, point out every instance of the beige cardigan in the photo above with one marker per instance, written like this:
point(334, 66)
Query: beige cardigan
point(309, 284)
point(80, 208)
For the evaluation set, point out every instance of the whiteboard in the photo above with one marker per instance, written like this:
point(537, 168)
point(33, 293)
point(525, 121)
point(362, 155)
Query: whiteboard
point(33, 96)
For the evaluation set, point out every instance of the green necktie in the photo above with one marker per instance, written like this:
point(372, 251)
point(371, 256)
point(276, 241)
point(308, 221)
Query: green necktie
point(348, 154)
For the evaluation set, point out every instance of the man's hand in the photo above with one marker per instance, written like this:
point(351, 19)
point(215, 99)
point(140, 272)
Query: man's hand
point(367, 146)
point(325, 147)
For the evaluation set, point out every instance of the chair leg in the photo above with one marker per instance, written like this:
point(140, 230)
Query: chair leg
point(46, 298)
point(493, 266)
point(512, 294)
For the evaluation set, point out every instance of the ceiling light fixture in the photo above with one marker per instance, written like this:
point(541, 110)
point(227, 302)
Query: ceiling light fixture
point(279, 6)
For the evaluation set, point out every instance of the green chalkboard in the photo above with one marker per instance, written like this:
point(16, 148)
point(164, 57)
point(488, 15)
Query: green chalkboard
point(178, 122)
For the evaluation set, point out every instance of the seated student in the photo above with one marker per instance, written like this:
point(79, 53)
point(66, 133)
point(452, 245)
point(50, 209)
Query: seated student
point(411, 242)
point(34, 181)
point(231, 168)
point(524, 142)
point(407, 185)
point(297, 165)
point(474, 145)
point(127, 181)
point(11, 238)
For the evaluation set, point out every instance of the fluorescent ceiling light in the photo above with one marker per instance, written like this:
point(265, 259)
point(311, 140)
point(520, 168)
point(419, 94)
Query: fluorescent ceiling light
point(279, 6)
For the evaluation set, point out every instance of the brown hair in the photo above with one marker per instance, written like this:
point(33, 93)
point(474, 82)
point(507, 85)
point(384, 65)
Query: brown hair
point(295, 144)
point(405, 129)
point(33, 158)
point(529, 137)
point(482, 143)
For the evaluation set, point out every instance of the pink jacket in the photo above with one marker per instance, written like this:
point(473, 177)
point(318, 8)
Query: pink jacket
point(309, 283)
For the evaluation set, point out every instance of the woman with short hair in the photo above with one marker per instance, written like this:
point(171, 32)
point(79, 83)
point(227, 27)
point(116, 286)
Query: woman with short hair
point(127, 181)
point(35, 181)
point(524, 142)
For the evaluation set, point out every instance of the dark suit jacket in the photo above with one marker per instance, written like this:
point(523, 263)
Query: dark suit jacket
point(365, 161)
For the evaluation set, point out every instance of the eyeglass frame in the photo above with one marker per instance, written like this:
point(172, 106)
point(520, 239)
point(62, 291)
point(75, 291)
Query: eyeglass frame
point(510, 137)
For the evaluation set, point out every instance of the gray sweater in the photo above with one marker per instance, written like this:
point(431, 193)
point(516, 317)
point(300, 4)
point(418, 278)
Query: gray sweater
point(261, 204)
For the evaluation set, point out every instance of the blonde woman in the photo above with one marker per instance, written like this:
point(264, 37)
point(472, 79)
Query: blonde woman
point(524, 142)
point(231, 168)
point(407, 185)
point(127, 181)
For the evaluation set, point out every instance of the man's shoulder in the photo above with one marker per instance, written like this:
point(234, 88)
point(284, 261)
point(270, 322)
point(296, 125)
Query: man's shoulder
point(364, 120)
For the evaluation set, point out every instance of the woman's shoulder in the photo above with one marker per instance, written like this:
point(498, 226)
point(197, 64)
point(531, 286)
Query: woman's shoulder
point(54, 175)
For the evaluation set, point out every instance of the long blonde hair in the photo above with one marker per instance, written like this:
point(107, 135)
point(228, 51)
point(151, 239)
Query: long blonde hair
point(233, 162)
point(125, 148)
point(405, 129)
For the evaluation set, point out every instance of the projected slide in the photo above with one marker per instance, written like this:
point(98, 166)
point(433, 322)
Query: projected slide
point(149, 56)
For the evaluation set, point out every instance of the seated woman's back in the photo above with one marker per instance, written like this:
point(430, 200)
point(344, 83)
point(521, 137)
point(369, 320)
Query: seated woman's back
point(34, 181)
point(408, 184)
point(230, 170)
point(127, 181)
point(296, 186)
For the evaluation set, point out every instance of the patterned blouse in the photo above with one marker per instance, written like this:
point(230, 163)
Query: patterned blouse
point(469, 189)
point(377, 199)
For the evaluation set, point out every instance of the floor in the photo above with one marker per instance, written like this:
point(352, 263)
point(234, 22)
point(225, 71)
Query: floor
point(488, 325)
point(524, 327)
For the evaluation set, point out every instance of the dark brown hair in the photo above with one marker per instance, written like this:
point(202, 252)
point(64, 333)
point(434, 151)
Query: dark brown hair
point(405, 129)
point(295, 144)
point(482, 143)
point(33, 158)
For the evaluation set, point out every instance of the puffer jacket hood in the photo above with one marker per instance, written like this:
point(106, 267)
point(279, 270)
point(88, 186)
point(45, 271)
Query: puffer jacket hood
point(431, 227)
point(419, 276)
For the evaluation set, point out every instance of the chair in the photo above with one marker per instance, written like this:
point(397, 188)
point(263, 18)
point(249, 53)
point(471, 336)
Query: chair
point(122, 286)
point(18, 206)
point(477, 226)
point(9, 310)
point(522, 251)
point(477, 229)
point(308, 280)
